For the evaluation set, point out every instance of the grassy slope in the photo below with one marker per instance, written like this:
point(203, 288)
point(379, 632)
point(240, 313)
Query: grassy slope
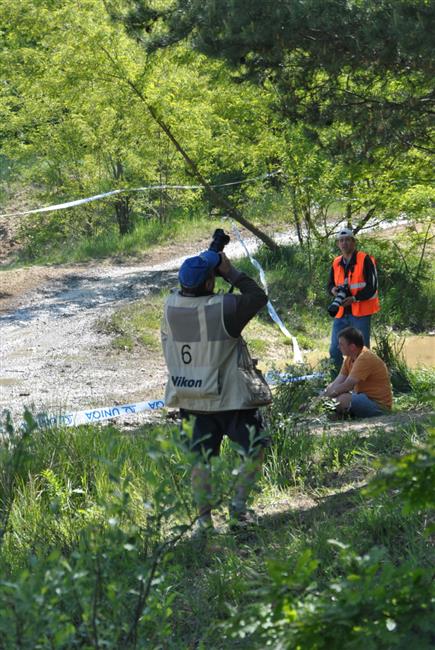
point(92, 509)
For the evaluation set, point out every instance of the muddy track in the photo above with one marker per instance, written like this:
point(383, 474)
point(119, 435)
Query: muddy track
point(55, 358)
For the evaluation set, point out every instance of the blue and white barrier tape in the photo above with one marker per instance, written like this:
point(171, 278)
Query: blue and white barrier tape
point(273, 378)
point(97, 197)
point(94, 415)
point(297, 354)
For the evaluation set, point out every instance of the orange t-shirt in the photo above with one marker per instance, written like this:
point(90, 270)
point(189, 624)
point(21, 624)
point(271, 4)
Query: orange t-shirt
point(372, 376)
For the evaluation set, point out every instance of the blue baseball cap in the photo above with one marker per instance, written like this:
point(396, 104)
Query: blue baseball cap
point(195, 270)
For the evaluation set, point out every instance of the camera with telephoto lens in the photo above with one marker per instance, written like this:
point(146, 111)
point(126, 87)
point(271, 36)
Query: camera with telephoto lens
point(219, 241)
point(342, 293)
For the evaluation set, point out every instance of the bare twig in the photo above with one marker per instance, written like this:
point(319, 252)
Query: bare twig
point(402, 257)
point(423, 250)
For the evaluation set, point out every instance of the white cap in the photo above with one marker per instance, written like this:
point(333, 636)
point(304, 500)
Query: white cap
point(345, 232)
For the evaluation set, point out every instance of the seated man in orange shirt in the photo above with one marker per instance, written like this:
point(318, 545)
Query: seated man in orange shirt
point(363, 386)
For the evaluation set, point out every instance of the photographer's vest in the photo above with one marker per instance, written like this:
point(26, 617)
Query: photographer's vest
point(209, 370)
point(356, 282)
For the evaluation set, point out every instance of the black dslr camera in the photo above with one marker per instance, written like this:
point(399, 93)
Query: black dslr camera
point(342, 293)
point(219, 241)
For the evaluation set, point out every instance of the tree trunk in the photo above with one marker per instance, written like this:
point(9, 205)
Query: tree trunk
point(364, 220)
point(123, 215)
point(349, 215)
point(296, 217)
point(218, 200)
point(122, 204)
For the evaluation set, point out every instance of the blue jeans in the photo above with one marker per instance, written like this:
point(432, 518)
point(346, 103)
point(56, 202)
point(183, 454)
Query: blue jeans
point(361, 323)
point(362, 406)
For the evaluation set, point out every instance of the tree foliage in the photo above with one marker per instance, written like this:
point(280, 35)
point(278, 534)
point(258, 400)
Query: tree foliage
point(83, 107)
point(363, 62)
point(321, 90)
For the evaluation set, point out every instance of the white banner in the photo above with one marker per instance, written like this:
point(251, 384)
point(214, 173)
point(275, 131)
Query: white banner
point(273, 378)
point(97, 197)
point(297, 353)
point(94, 415)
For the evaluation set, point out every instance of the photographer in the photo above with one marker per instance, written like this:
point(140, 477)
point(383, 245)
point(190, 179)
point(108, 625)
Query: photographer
point(353, 281)
point(212, 378)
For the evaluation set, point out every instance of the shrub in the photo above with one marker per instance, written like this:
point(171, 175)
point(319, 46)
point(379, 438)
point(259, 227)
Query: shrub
point(374, 605)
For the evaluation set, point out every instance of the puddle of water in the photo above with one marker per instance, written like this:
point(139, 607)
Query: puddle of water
point(9, 381)
point(419, 351)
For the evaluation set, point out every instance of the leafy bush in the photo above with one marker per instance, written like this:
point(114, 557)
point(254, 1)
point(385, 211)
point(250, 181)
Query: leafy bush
point(405, 282)
point(411, 477)
point(85, 543)
point(372, 605)
point(391, 353)
point(370, 602)
point(292, 394)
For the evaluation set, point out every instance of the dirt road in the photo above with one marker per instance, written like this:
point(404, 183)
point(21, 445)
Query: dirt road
point(55, 358)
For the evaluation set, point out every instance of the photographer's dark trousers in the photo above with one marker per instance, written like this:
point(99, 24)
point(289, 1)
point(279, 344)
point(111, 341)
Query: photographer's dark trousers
point(361, 323)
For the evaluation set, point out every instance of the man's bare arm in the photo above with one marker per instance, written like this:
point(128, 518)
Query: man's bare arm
point(342, 384)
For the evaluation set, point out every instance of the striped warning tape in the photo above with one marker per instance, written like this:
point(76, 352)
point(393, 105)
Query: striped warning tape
point(94, 415)
point(97, 197)
point(297, 354)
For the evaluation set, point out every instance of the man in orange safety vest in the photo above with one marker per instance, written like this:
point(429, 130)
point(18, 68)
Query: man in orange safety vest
point(353, 274)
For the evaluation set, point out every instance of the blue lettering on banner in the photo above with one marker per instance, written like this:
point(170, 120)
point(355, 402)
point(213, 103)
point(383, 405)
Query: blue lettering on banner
point(110, 413)
point(157, 404)
point(65, 419)
point(53, 420)
point(130, 408)
point(103, 413)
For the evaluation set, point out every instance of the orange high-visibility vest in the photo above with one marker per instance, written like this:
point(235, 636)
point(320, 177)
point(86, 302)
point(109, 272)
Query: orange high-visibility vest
point(356, 281)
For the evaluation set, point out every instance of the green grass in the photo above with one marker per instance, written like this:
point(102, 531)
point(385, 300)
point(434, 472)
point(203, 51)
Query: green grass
point(136, 324)
point(109, 243)
point(421, 395)
point(96, 516)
